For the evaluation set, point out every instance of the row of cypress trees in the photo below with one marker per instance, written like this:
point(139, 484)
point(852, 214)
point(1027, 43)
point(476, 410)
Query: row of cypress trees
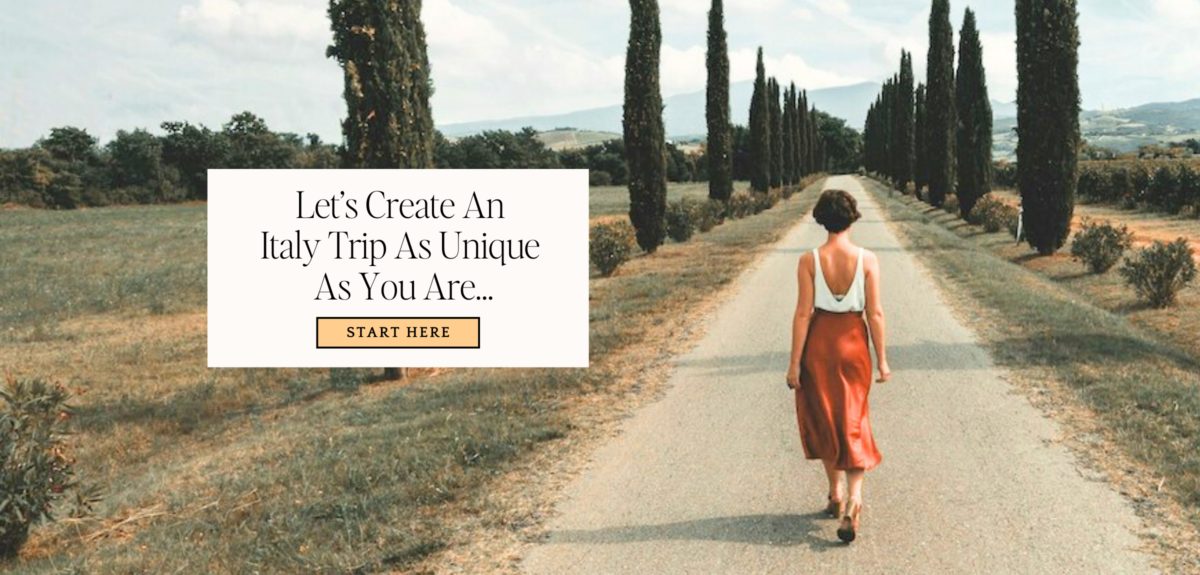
point(936, 135)
point(786, 143)
point(952, 140)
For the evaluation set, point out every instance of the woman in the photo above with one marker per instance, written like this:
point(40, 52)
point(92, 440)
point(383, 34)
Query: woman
point(830, 368)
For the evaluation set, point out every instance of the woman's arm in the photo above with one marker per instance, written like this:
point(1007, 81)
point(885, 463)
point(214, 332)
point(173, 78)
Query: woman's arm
point(875, 319)
point(802, 317)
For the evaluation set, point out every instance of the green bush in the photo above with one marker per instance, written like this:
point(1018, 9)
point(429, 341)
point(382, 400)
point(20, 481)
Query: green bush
point(1158, 272)
point(994, 214)
point(741, 204)
point(950, 204)
point(36, 472)
point(1100, 245)
point(1121, 189)
point(758, 203)
point(681, 220)
point(1189, 188)
point(597, 178)
point(610, 245)
point(709, 215)
point(1164, 192)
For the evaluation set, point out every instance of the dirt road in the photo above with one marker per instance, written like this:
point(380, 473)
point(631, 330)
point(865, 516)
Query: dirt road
point(711, 478)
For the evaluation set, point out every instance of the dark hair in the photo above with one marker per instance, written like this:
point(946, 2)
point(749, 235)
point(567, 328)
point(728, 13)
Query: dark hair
point(836, 210)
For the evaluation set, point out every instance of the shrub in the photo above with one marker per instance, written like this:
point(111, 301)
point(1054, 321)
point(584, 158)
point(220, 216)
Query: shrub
point(36, 472)
point(758, 203)
point(1189, 187)
point(994, 214)
point(709, 215)
point(1141, 186)
point(1164, 191)
point(597, 178)
point(1158, 272)
point(1121, 188)
point(1100, 245)
point(741, 204)
point(610, 245)
point(950, 204)
point(681, 220)
point(764, 202)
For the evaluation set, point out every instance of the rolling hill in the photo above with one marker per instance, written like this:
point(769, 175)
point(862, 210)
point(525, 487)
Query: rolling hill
point(684, 113)
point(1123, 130)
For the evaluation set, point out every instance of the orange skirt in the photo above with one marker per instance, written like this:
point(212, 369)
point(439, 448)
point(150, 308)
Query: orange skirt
point(835, 380)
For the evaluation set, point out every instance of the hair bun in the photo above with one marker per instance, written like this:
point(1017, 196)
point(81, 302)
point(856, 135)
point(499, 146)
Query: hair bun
point(836, 210)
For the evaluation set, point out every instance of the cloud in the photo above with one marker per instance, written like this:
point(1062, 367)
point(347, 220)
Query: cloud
point(1000, 61)
point(787, 68)
point(256, 19)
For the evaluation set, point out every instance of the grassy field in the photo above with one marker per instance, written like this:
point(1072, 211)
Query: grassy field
point(614, 200)
point(1116, 382)
point(284, 470)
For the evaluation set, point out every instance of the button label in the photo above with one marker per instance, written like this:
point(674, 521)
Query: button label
point(398, 333)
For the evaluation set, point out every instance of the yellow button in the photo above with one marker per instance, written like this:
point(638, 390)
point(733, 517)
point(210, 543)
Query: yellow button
point(398, 332)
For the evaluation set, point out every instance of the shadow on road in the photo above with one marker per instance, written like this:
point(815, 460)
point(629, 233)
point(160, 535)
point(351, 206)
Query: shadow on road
point(777, 530)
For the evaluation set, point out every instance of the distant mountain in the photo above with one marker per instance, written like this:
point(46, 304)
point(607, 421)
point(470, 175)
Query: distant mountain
point(683, 113)
point(1002, 110)
point(1123, 130)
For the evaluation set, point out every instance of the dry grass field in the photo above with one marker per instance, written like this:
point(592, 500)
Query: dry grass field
point(614, 200)
point(287, 470)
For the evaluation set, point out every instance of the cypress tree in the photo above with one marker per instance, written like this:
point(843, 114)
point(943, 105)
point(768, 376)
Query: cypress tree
point(903, 123)
point(797, 138)
point(720, 143)
point(974, 119)
point(380, 47)
point(789, 144)
point(1047, 118)
point(760, 131)
point(776, 135)
point(645, 142)
point(920, 162)
point(814, 141)
point(939, 99)
point(802, 131)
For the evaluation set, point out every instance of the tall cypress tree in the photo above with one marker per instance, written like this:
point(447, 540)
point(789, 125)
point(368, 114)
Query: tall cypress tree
point(802, 132)
point(789, 143)
point(797, 138)
point(760, 130)
point(381, 48)
point(776, 134)
point(1047, 118)
point(814, 141)
point(974, 146)
point(645, 142)
point(920, 155)
point(939, 100)
point(903, 123)
point(720, 143)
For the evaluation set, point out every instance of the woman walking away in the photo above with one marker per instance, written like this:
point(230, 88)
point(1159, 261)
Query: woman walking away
point(830, 368)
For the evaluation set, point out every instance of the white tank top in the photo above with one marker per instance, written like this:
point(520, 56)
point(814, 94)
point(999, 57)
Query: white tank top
point(855, 299)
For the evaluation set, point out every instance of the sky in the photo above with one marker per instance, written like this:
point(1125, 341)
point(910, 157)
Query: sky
point(124, 64)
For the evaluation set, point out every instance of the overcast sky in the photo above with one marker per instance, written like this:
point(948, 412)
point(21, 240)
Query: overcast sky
point(122, 64)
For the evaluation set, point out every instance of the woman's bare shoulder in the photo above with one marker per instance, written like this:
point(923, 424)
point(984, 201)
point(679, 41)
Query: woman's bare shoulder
point(806, 261)
point(870, 260)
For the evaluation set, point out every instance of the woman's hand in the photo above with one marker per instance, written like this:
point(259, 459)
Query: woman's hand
point(793, 378)
point(885, 372)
